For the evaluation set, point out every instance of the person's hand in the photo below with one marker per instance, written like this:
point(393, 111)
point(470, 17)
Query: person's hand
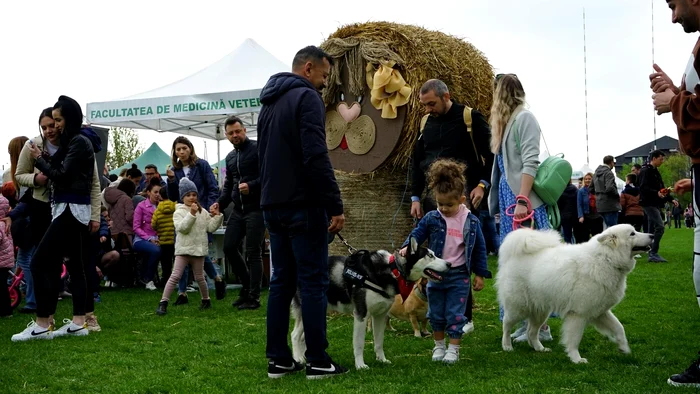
point(675, 203)
point(8, 224)
point(682, 186)
point(416, 210)
point(660, 81)
point(478, 283)
point(34, 150)
point(170, 173)
point(403, 251)
point(661, 195)
point(103, 239)
point(194, 209)
point(520, 212)
point(662, 101)
point(214, 209)
point(154, 241)
point(580, 220)
point(337, 223)
point(243, 188)
point(94, 226)
point(40, 179)
point(476, 196)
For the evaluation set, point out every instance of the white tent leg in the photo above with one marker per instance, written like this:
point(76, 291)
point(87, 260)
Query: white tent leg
point(218, 161)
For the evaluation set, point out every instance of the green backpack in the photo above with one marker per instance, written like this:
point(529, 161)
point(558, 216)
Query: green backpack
point(553, 175)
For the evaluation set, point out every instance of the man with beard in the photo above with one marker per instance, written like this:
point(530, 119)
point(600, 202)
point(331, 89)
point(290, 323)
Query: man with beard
point(684, 105)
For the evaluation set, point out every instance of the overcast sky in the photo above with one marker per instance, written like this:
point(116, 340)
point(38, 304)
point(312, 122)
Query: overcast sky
point(105, 50)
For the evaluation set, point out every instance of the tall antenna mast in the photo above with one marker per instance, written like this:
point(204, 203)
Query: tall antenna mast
point(585, 82)
point(653, 62)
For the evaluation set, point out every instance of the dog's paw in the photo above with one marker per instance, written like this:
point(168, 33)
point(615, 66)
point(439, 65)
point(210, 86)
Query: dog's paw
point(426, 334)
point(361, 366)
point(417, 334)
point(508, 348)
point(544, 350)
point(625, 349)
point(383, 360)
point(580, 361)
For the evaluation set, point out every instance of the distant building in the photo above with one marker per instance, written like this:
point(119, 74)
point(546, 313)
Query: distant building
point(668, 145)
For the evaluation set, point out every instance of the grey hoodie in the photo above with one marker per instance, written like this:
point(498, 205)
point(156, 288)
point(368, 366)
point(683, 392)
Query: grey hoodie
point(606, 194)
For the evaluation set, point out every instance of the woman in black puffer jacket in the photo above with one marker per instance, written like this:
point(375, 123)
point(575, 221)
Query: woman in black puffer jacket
point(71, 171)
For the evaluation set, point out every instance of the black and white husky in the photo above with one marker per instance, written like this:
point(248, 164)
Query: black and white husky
point(347, 295)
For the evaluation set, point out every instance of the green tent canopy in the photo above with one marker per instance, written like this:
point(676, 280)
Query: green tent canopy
point(153, 155)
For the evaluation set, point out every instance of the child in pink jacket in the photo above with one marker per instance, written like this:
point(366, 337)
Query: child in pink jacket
point(7, 258)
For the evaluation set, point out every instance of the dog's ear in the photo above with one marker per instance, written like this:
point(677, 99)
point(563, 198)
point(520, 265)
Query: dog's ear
point(413, 246)
point(608, 239)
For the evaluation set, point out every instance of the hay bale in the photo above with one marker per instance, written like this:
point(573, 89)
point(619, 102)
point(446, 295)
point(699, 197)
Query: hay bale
point(370, 202)
point(420, 55)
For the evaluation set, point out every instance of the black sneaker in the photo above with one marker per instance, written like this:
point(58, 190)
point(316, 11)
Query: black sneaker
point(277, 369)
point(182, 299)
point(689, 378)
point(250, 304)
point(242, 299)
point(324, 371)
point(220, 289)
point(162, 308)
point(206, 304)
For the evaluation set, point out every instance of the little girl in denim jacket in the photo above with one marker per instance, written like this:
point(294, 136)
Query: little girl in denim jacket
point(455, 236)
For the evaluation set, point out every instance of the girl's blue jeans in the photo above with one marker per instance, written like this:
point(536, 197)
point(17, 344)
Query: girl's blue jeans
point(24, 257)
point(447, 302)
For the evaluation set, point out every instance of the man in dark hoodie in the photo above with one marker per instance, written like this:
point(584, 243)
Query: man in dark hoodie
point(568, 209)
point(607, 199)
point(653, 196)
point(299, 193)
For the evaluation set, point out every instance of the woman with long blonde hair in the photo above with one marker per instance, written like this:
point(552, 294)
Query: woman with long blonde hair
point(515, 140)
point(14, 149)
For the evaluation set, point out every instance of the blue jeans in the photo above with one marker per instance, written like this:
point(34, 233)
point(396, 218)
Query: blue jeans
point(24, 257)
point(610, 218)
point(209, 269)
point(447, 302)
point(488, 227)
point(152, 252)
point(299, 254)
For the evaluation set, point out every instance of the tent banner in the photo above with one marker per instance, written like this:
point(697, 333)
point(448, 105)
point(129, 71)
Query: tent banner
point(226, 103)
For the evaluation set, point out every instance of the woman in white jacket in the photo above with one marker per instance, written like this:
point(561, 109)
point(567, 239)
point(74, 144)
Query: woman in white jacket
point(192, 223)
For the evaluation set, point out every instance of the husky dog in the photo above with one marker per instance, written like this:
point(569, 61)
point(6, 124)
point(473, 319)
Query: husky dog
point(538, 275)
point(346, 296)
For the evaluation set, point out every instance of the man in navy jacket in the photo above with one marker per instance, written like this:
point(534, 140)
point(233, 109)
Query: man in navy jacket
point(299, 193)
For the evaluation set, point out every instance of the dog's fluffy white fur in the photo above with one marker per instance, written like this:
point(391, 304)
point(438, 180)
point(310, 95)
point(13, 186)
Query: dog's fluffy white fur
point(538, 275)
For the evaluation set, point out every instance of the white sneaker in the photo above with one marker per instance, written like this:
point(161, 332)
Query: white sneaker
point(190, 289)
point(438, 353)
point(33, 331)
point(451, 355)
point(150, 286)
point(545, 336)
point(71, 329)
point(468, 328)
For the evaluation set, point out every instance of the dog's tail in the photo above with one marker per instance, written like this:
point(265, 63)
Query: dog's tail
point(527, 241)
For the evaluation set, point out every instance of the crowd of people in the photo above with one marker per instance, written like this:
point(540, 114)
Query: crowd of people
point(58, 210)
point(465, 173)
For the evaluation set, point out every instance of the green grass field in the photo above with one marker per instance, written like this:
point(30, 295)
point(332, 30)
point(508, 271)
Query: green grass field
point(223, 350)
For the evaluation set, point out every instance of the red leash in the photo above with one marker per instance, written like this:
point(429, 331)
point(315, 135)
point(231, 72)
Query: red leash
point(517, 223)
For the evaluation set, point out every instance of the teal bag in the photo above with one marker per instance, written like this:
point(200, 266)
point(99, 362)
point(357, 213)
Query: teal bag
point(553, 175)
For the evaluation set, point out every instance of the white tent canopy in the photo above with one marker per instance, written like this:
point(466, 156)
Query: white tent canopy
point(199, 104)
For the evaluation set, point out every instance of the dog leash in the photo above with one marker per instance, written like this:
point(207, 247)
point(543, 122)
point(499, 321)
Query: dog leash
point(517, 223)
point(351, 249)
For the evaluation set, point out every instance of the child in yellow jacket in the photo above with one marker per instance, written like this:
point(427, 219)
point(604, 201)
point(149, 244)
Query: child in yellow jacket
point(162, 223)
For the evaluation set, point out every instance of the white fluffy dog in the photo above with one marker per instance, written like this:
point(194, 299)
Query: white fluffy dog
point(538, 275)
